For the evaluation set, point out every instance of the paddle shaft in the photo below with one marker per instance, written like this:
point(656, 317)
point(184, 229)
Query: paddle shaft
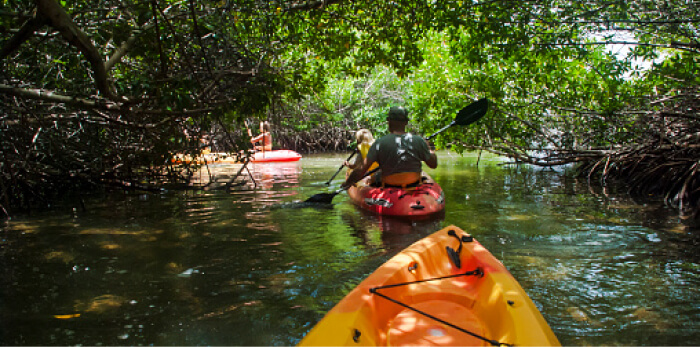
point(441, 130)
point(468, 115)
point(245, 122)
point(341, 167)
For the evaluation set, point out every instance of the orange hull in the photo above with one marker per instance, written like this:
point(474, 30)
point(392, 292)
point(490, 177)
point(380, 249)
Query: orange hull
point(421, 297)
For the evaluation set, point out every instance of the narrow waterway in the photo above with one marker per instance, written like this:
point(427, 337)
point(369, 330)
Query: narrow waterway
point(255, 267)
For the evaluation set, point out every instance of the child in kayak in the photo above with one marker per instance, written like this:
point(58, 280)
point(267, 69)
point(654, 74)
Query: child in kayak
point(364, 142)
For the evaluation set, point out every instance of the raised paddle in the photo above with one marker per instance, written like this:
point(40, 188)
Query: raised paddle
point(250, 132)
point(466, 116)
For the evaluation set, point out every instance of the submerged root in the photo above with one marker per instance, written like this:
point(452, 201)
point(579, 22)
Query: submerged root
point(664, 172)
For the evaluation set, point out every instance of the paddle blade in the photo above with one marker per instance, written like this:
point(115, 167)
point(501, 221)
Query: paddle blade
point(472, 113)
point(322, 198)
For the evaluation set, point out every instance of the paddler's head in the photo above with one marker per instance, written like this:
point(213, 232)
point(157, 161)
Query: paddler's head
point(397, 118)
point(264, 127)
point(364, 136)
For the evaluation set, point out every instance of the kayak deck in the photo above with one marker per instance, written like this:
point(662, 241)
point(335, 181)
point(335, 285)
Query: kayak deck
point(281, 155)
point(421, 297)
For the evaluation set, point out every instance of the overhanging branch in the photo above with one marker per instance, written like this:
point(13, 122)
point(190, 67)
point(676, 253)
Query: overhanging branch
point(39, 94)
point(104, 105)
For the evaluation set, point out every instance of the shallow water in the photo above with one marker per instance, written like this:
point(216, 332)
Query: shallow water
point(256, 267)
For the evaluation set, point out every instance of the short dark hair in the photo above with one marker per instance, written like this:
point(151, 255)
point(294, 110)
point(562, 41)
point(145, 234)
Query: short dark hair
point(397, 113)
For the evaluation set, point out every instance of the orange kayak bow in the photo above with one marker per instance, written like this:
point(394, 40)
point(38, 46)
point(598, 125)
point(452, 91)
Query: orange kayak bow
point(444, 290)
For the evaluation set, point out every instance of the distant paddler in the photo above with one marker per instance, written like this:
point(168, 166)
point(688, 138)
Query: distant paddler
point(264, 139)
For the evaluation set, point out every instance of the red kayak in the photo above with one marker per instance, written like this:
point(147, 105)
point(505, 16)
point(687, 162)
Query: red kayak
point(417, 202)
point(278, 155)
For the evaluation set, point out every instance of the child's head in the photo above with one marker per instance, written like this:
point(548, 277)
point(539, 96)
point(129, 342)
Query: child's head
point(264, 127)
point(364, 136)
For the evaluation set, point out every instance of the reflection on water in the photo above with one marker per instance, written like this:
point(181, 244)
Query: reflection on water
point(247, 265)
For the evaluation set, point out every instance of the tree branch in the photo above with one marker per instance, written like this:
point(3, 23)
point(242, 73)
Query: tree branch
point(121, 51)
point(58, 19)
point(38, 94)
point(690, 47)
point(43, 95)
point(312, 5)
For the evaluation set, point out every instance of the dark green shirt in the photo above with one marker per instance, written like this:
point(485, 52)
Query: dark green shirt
point(399, 153)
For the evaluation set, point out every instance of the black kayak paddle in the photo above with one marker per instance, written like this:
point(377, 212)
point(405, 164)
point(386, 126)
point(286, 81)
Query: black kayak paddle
point(466, 116)
point(341, 166)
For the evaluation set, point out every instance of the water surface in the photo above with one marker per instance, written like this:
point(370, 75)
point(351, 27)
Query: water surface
point(252, 266)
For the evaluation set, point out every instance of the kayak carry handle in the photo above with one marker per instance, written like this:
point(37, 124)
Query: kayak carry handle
point(454, 255)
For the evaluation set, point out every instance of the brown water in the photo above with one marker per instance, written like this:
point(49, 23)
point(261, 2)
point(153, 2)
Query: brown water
point(252, 267)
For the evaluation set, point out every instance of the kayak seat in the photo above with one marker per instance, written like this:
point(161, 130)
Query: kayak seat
point(402, 180)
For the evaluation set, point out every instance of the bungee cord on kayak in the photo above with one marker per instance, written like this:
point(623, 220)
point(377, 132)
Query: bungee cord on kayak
point(478, 272)
point(455, 258)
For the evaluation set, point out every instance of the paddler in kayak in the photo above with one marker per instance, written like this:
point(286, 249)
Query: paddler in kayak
point(399, 155)
point(365, 139)
point(265, 138)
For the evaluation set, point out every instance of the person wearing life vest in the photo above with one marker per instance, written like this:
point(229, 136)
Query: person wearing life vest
point(399, 155)
point(364, 142)
point(265, 138)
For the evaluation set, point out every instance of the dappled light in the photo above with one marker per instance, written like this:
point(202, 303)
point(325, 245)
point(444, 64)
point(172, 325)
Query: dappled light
point(411, 329)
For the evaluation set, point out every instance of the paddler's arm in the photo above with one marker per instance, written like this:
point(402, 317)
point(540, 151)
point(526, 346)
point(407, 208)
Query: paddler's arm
point(355, 162)
point(357, 174)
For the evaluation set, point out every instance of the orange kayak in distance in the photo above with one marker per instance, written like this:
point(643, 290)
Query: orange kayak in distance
point(444, 290)
point(281, 155)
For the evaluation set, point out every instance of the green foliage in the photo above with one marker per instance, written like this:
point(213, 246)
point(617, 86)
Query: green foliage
point(552, 80)
point(190, 66)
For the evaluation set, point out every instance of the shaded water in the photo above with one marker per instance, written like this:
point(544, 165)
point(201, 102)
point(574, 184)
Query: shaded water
point(251, 267)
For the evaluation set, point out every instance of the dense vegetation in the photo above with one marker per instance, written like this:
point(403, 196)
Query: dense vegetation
point(104, 92)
